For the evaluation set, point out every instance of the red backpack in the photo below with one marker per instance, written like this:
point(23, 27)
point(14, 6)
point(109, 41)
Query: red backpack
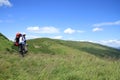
point(16, 42)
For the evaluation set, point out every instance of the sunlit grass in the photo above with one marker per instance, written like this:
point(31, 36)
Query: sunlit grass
point(72, 66)
point(49, 59)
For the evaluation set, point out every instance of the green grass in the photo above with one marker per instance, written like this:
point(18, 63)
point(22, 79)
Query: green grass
point(6, 44)
point(73, 66)
point(52, 46)
point(50, 59)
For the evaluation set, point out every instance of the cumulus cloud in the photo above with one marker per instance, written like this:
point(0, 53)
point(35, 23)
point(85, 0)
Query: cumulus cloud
point(46, 29)
point(69, 31)
point(57, 37)
point(111, 43)
point(97, 29)
point(5, 3)
point(107, 23)
point(35, 28)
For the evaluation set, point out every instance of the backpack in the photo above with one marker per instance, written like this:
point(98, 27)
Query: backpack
point(16, 42)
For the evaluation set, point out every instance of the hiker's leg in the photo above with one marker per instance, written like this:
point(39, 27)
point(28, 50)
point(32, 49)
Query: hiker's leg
point(25, 47)
point(20, 47)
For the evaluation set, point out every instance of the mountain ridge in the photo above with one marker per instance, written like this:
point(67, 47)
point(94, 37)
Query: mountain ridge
point(53, 46)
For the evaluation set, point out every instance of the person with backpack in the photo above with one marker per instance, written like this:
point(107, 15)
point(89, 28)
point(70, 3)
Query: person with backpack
point(20, 41)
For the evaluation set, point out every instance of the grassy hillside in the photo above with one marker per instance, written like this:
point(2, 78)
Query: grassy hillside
point(50, 59)
point(5, 44)
point(52, 46)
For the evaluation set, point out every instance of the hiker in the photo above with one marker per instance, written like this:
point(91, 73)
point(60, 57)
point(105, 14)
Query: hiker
point(22, 42)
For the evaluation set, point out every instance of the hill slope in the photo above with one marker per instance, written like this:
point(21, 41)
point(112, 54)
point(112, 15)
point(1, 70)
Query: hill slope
point(5, 44)
point(50, 59)
point(52, 46)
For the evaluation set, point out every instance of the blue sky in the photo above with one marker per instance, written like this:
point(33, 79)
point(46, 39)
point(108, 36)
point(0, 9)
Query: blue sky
point(81, 20)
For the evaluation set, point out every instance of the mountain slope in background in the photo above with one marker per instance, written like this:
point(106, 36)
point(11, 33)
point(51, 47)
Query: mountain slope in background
point(53, 46)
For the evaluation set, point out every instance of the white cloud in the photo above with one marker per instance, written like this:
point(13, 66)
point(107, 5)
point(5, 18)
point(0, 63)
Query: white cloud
point(69, 31)
point(97, 29)
point(107, 23)
point(46, 29)
point(57, 37)
point(35, 28)
point(110, 43)
point(82, 40)
point(5, 2)
point(49, 30)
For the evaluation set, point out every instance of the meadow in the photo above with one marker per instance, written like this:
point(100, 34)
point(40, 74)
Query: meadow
point(72, 66)
point(50, 59)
